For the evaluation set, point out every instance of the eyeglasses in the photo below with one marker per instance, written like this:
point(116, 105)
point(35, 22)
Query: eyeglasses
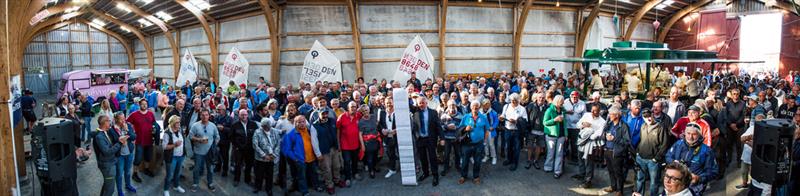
point(668, 178)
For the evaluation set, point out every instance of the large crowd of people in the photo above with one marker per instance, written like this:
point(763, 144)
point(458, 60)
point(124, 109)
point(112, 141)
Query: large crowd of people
point(328, 135)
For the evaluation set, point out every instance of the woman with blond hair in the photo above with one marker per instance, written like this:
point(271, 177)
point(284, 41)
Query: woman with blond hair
point(172, 142)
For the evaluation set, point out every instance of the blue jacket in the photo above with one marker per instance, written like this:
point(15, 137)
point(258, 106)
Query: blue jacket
point(634, 127)
point(236, 104)
point(326, 135)
point(700, 161)
point(261, 97)
point(107, 148)
point(131, 147)
point(493, 121)
point(292, 145)
point(479, 127)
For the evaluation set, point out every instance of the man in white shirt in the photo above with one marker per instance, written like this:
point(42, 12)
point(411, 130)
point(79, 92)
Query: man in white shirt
point(512, 113)
point(592, 126)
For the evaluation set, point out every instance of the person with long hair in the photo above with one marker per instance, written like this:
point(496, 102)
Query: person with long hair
point(125, 163)
point(172, 143)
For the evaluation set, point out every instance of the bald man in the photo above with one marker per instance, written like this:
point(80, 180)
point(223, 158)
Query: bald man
point(243, 131)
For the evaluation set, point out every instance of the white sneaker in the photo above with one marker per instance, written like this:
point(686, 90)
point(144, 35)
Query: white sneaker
point(166, 193)
point(389, 174)
point(179, 189)
point(494, 161)
point(485, 159)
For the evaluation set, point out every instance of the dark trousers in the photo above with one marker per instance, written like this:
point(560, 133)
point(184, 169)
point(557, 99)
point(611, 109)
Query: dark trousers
point(391, 152)
point(733, 145)
point(426, 149)
point(454, 148)
point(282, 170)
point(371, 160)
point(244, 158)
point(264, 173)
point(474, 152)
point(224, 163)
point(350, 163)
point(572, 150)
point(109, 173)
point(514, 140)
point(299, 175)
point(719, 147)
point(586, 169)
point(615, 170)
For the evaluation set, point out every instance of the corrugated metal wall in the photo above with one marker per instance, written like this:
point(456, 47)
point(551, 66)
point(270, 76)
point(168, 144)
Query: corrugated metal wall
point(162, 58)
point(251, 36)
point(548, 34)
point(72, 47)
point(387, 30)
point(479, 40)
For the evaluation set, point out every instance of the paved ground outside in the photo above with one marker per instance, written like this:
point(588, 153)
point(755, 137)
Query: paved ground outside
point(496, 180)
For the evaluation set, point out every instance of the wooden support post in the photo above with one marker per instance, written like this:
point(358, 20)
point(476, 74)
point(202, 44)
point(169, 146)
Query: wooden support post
point(677, 16)
point(584, 30)
point(523, 17)
point(275, 50)
point(442, 38)
point(639, 14)
point(212, 43)
point(352, 10)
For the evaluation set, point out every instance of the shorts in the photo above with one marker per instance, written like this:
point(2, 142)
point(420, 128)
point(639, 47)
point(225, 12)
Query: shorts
point(29, 115)
point(143, 153)
point(536, 140)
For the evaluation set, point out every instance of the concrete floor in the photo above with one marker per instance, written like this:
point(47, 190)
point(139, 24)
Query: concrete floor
point(496, 180)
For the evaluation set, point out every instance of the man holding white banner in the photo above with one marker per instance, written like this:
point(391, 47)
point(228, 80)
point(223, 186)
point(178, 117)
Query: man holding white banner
point(188, 70)
point(320, 65)
point(235, 69)
point(416, 59)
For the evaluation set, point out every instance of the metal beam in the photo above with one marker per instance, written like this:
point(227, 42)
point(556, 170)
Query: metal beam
point(212, 43)
point(352, 10)
point(275, 50)
point(523, 17)
point(147, 47)
point(677, 16)
point(639, 14)
point(442, 37)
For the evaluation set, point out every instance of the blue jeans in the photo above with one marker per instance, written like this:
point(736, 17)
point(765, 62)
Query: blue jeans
point(87, 128)
point(200, 163)
point(513, 139)
point(647, 168)
point(124, 164)
point(174, 172)
point(109, 173)
point(299, 175)
point(474, 152)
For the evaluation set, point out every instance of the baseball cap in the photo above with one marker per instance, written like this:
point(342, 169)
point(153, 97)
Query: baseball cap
point(647, 113)
point(695, 108)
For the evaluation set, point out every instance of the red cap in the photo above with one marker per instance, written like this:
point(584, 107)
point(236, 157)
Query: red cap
point(242, 86)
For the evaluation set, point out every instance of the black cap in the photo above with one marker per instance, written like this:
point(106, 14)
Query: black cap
point(647, 113)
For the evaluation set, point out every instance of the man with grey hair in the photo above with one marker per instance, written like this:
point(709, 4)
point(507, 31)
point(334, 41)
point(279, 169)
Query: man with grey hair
point(514, 116)
point(617, 143)
point(575, 108)
point(426, 129)
point(634, 120)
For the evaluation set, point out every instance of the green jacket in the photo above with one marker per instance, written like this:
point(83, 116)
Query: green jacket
point(551, 127)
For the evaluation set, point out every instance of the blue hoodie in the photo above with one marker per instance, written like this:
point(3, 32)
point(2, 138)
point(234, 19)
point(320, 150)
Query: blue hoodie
point(634, 127)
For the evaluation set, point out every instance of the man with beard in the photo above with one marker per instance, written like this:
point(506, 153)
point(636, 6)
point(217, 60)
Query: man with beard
point(788, 108)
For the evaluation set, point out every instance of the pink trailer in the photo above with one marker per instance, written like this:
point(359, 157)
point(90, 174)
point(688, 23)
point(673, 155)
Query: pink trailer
point(93, 83)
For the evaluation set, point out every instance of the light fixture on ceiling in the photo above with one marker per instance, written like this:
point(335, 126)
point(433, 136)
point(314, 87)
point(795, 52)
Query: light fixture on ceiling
point(125, 29)
point(558, 3)
point(144, 22)
point(72, 9)
point(145, 2)
point(664, 4)
point(52, 1)
point(164, 15)
point(98, 22)
point(200, 4)
point(123, 7)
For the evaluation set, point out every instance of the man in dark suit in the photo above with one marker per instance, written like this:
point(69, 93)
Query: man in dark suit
point(426, 130)
point(243, 132)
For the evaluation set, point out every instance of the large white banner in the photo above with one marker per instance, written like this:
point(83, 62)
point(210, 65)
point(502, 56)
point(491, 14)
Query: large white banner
point(321, 65)
point(405, 141)
point(188, 70)
point(416, 59)
point(235, 68)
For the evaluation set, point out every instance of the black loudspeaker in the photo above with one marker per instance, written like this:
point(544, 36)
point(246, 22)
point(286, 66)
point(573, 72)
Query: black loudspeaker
point(53, 149)
point(772, 148)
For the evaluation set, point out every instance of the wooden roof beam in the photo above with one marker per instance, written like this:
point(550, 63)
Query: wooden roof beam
point(583, 32)
point(57, 9)
point(147, 47)
point(639, 14)
point(166, 28)
point(442, 37)
point(677, 16)
point(523, 17)
point(352, 10)
point(212, 41)
point(274, 38)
